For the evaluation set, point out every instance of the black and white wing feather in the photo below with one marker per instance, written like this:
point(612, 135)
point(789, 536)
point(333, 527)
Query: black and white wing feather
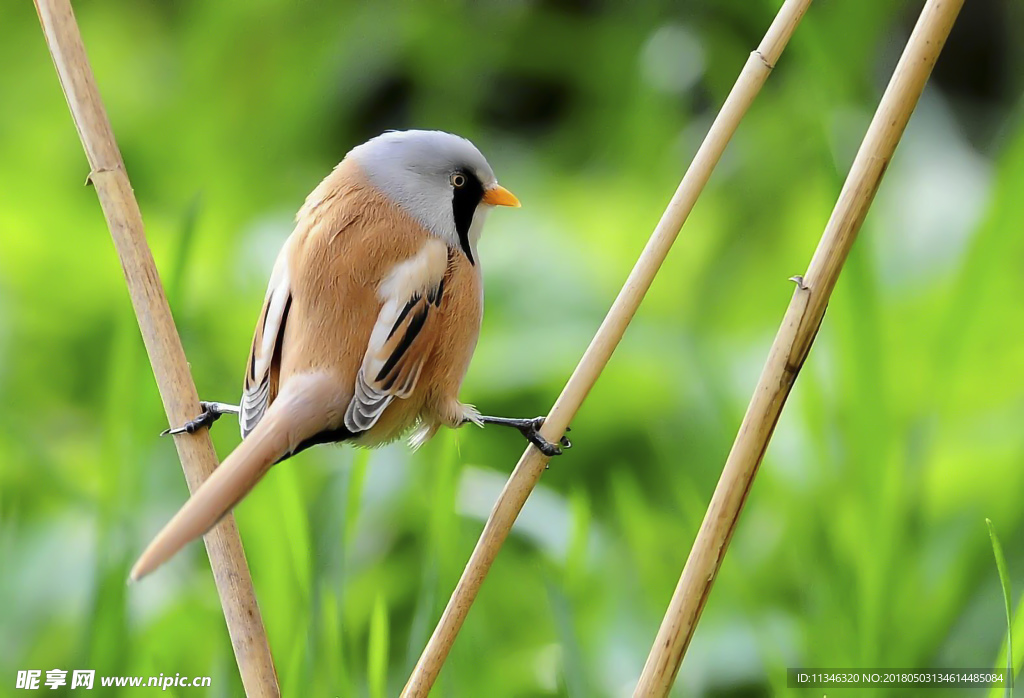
point(263, 370)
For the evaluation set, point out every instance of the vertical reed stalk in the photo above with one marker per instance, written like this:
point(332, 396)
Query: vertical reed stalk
point(181, 402)
point(792, 343)
point(528, 471)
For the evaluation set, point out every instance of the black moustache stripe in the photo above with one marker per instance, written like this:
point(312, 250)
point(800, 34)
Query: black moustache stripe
point(465, 200)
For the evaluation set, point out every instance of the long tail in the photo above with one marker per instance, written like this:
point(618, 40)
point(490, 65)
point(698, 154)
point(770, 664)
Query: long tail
point(293, 417)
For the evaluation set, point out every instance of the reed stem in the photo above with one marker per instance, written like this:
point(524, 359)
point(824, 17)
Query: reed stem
point(178, 392)
point(528, 471)
point(792, 344)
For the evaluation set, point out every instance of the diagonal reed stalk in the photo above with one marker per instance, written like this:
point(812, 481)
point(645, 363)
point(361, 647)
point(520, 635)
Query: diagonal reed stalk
point(178, 392)
point(792, 343)
point(528, 471)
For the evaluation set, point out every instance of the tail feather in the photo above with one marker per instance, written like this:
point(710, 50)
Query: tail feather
point(293, 417)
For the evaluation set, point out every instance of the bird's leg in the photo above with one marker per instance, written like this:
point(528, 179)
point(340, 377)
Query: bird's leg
point(530, 428)
point(212, 411)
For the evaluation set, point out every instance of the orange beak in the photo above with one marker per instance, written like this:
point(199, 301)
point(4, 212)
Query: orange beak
point(500, 196)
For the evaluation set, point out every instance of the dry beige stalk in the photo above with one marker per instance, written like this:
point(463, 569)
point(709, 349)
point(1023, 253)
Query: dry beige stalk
point(793, 342)
point(528, 471)
point(181, 402)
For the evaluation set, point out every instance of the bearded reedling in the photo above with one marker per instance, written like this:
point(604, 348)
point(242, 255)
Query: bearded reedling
point(369, 322)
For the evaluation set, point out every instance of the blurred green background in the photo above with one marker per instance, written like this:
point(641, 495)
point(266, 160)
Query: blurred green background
point(863, 543)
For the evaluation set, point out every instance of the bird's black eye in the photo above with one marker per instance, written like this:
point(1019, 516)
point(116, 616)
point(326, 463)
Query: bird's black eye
point(458, 180)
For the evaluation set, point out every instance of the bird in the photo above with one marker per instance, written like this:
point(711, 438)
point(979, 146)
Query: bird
point(370, 319)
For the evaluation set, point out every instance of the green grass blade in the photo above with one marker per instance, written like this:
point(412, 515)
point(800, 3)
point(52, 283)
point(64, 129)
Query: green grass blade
point(357, 480)
point(1004, 579)
point(183, 251)
point(1018, 652)
point(377, 657)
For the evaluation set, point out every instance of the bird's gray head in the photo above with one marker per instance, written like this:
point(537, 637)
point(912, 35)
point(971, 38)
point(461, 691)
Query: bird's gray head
point(438, 178)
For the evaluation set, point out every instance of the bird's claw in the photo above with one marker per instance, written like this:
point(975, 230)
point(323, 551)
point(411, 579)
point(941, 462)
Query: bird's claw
point(531, 430)
point(207, 417)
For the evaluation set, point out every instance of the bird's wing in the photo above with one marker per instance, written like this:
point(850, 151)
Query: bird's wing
point(263, 370)
point(403, 336)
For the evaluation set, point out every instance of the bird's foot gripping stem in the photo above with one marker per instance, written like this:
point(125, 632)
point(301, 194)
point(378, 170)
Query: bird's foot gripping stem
point(212, 411)
point(530, 428)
